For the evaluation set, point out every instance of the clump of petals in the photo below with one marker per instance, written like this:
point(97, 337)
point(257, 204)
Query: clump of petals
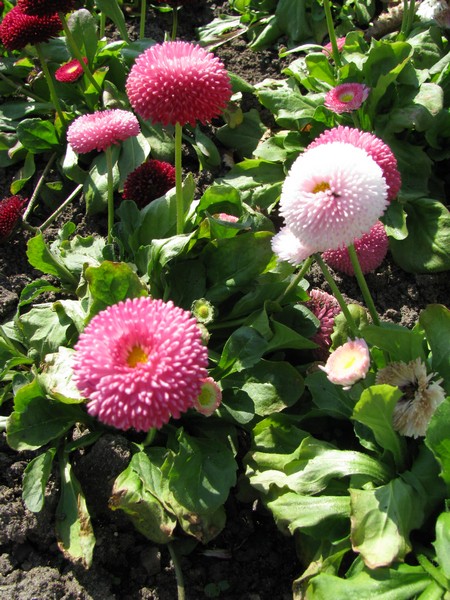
point(332, 195)
point(139, 362)
point(375, 148)
point(149, 181)
point(45, 7)
point(11, 210)
point(71, 71)
point(18, 29)
point(99, 130)
point(348, 364)
point(328, 48)
point(371, 250)
point(178, 82)
point(209, 398)
point(421, 395)
point(346, 97)
point(435, 10)
point(324, 307)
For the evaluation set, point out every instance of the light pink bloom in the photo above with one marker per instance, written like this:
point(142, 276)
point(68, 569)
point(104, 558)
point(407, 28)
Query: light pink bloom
point(99, 130)
point(139, 362)
point(209, 398)
point(178, 82)
point(375, 148)
point(348, 364)
point(226, 217)
point(325, 307)
point(346, 97)
point(332, 195)
point(371, 249)
point(328, 49)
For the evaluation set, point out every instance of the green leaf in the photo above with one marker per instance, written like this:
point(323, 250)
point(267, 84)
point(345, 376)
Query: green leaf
point(243, 349)
point(25, 173)
point(437, 438)
point(426, 249)
point(112, 10)
point(401, 343)
point(37, 135)
point(95, 186)
point(375, 409)
point(292, 19)
point(56, 377)
point(142, 493)
point(435, 319)
point(394, 220)
point(41, 258)
point(134, 152)
point(244, 137)
point(328, 397)
point(35, 479)
point(442, 543)
point(36, 420)
point(382, 520)
point(82, 25)
point(73, 524)
point(258, 181)
point(201, 473)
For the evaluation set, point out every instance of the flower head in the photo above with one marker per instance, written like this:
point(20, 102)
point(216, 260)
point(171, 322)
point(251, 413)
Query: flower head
point(19, 29)
point(71, 71)
point(375, 148)
point(178, 82)
point(149, 181)
point(371, 249)
point(348, 364)
point(99, 130)
point(41, 8)
point(209, 398)
point(332, 195)
point(226, 217)
point(203, 311)
point(139, 362)
point(346, 97)
point(328, 48)
point(421, 395)
point(435, 10)
point(324, 307)
point(11, 210)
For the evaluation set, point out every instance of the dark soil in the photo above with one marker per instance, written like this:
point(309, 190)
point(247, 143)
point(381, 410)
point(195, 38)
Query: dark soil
point(250, 560)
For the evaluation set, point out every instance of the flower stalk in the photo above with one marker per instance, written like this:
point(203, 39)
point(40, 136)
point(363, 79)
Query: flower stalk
point(142, 19)
point(178, 179)
point(37, 189)
point(363, 284)
point(110, 191)
point(332, 33)
point(178, 572)
point(51, 86)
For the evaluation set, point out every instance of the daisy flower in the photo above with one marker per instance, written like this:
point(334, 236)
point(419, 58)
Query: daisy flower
point(11, 210)
point(18, 29)
point(210, 397)
point(139, 362)
point(348, 364)
point(71, 71)
point(324, 307)
point(346, 97)
point(102, 129)
point(178, 82)
point(328, 49)
point(149, 181)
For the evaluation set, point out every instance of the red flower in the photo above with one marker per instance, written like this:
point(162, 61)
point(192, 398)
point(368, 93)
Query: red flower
point(178, 82)
point(371, 249)
point(42, 8)
point(71, 71)
point(19, 29)
point(324, 307)
point(11, 210)
point(149, 181)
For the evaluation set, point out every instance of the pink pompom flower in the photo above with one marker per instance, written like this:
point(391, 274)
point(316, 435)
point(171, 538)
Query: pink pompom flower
point(375, 148)
point(102, 129)
point(139, 362)
point(348, 364)
point(371, 249)
point(149, 181)
point(45, 7)
point(328, 48)
point(11, 210)
point(332, 195)
point(324, 307)
point(209, 398)
point(178, 82)
point(18, 29)
point(346, 97)
point(71, 71)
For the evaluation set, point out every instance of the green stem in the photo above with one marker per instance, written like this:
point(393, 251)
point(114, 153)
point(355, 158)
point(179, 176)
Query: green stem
point(36, 190)
point(20, 89)
point(178, 179)
point(433, 571)
point(102, 25)
point(60, 209)
point(337, 294)
point(363, 284)
point(110, 192)
point(178, 572)
point(174, 23)
point(143, 18)
point(332, 33)
point(76, 52)
point(294, 282)
point(51, 85)
point(409, 9)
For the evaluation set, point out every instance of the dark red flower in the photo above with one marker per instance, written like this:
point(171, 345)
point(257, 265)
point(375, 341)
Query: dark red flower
point(19, 29)
point(325, 307)
point(71, 71)
point(149, 181)
point(11, 210)
point(41, 8)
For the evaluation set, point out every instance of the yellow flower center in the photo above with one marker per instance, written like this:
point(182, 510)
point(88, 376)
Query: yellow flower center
point(348, 97)
point(349, 362)
point(323, 186)
point(136, 356)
